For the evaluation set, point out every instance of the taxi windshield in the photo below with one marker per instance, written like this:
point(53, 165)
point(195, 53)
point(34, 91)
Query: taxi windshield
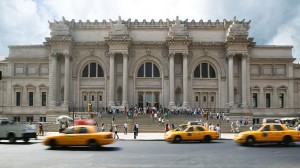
point(181, 128)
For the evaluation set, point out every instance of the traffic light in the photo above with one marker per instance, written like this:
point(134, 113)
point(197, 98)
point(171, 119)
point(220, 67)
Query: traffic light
point(89, 107)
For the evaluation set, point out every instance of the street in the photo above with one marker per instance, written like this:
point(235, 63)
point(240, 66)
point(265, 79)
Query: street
point(222, 153)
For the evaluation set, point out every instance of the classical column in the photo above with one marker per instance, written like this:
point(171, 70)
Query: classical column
point(111, 80)
point(53, 80)
point(125, 79)
point(185, 81)
point(67, 79)
point(230, 80)
point(244, 81)
point(171, 58)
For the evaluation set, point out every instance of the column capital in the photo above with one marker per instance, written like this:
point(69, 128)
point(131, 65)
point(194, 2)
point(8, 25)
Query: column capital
point(171, 54)
point(110, 54)
point(230, 54)
point(244, 55)
point(67, 55)
point(185, 54)
point(125, 54)
point(54, 55)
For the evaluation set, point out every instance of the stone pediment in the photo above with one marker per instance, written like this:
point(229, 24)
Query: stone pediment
point(31, 86)
point(282, 87)
point(43, 86)
point(17, 86)
point(268, 87)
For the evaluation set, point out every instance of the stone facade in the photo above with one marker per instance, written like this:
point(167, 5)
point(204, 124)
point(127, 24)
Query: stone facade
point(168, 63)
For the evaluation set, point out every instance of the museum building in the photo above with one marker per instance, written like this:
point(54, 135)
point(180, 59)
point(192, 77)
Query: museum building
point(173, 63)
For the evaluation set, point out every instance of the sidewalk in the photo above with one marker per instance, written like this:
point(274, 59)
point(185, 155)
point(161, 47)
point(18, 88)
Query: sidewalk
point(148, 136)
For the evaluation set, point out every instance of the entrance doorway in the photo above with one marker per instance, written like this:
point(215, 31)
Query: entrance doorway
point(148, 98)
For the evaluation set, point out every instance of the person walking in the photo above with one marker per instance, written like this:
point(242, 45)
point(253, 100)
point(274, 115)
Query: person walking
point(125, 128)
point(218, 129)
point(232, 127)
point(135, 130)
point(167, 128)
point(116, 132)
point(110, 128)
point(102, 127)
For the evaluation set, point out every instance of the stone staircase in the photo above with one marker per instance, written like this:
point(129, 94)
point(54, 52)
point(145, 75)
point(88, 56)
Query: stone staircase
point(146, 124)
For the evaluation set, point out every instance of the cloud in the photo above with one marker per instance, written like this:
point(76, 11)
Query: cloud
point(25, 22)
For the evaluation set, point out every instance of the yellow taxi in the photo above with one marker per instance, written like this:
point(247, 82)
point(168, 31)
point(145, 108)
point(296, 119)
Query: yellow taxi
point(81, 135)
point(187, 132)
point(268, 133)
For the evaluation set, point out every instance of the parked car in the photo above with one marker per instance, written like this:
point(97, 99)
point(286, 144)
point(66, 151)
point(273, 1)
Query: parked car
point(81, 135)
point(268, 132)
point(190, 133)
point(12, 131)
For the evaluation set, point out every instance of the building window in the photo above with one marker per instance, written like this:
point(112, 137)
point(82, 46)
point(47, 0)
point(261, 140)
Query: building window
point(281, 100)
point(212, 98)
point(17, 118)
point(30, 98)
point(268, 100)
point(29, 119)
point(204, 70)
point(148, 70)
point(204, 98)
point(254, 100)
point(92, 70)
point(197, 98)
point(18, 98)
point(42, 119)
point(85, 72)
point(44, 98)
point(100, 98)
point(100, 71)
point(84, 98)
point(93, 98)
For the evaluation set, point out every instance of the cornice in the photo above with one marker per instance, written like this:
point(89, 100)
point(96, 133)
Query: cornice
point(148, 24)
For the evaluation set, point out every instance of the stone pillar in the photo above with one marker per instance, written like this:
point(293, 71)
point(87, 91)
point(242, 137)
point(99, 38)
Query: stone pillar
point(230, 81)
point(111, 80)
point(67, 79)
point(171, 78)
point(244, 81)
point(185, 81)
point(53, 80)
point(125, 79)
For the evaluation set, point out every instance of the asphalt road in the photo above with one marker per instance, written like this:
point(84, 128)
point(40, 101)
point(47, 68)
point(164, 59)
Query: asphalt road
point(146, 154)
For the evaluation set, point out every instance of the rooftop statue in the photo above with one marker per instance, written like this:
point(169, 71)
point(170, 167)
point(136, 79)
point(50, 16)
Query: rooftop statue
point(178, 29)
point(118, 28)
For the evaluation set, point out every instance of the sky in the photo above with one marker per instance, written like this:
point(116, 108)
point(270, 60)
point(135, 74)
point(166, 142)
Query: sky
point(273, 22)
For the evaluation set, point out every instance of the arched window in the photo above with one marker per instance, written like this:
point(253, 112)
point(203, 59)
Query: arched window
point(204, 70)
point(92, 70)
point(148, 70)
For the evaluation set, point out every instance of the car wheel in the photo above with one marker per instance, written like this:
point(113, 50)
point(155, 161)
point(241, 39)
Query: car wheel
point(177, 139)
point(12, 138)
point(287, 140)
point(250, 140)
point(207, 138)
point(26, 140)
point(92, 144)
point(52, 144)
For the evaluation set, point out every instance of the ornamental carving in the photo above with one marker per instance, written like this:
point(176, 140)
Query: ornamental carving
point(178, 29)
point(119, 28)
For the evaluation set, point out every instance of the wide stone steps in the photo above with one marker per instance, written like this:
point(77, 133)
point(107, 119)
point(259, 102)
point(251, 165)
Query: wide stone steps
point(147, 125)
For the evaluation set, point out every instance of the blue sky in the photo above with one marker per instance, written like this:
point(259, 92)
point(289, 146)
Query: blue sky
point(273, 22)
